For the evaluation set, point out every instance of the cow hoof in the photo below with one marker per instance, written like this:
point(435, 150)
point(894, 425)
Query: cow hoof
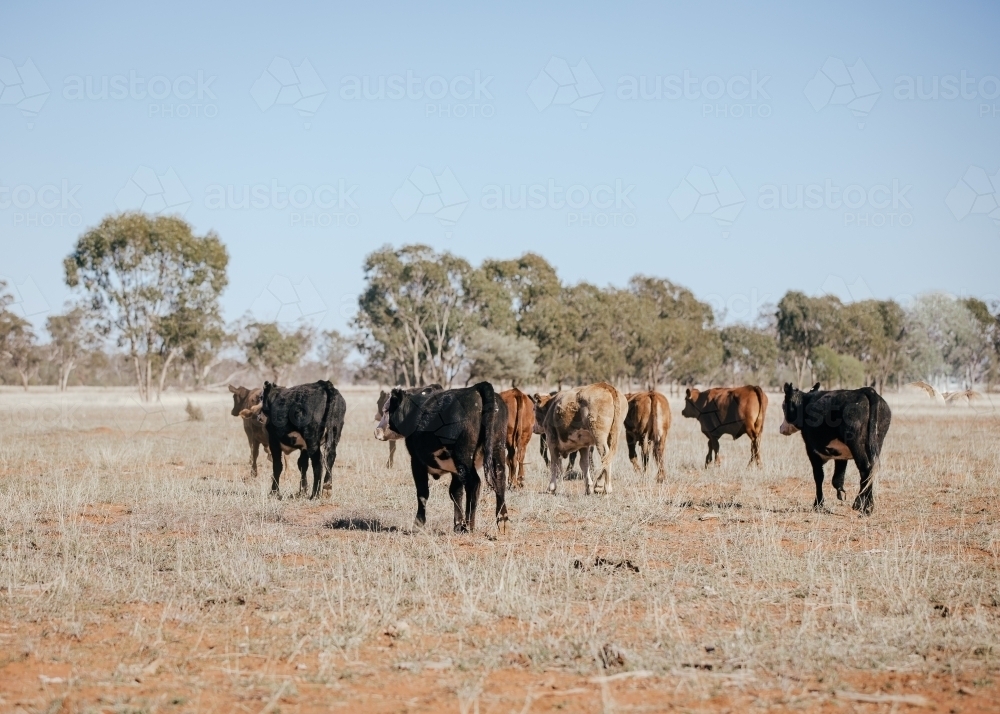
point(863, 507)
point(461, 528)
point(275, 494)
point(841, 495)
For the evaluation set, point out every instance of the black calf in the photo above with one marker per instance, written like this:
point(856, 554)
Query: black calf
point(452, 432)
point(839, 425)
point(309, 417)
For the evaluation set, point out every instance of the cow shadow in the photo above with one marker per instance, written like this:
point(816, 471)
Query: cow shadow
point(372, 525)
point(736, 505)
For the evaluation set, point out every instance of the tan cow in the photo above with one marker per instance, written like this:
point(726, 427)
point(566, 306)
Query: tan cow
point(244, 398)
point(520, 427)
point(728, 410)
point(646, 426)
point(575, 420)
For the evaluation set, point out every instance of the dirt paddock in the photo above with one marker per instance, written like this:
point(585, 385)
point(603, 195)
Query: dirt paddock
point(139, 572)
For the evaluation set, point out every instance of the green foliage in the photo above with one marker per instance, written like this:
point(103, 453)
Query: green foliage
point(334, 349)
point(72, 336)
point(272, 351)
point(153, 284)
point(500, 357)
point(748, 353)
point(836, 371)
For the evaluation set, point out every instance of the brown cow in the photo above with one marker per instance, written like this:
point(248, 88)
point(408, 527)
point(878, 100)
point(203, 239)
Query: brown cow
point(520, 426)
point(728, 410)
point(244, 398)
point(575, 420)
point(646, 426)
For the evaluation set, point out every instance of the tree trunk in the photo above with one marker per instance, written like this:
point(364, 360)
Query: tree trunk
point(163, 372)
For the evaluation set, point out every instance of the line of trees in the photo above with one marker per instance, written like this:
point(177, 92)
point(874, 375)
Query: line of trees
point(147, 313)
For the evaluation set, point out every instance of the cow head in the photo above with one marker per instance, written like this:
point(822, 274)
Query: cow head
point(243, 398)
point(793, 410)
point(387, 428)
point(542, 402)
point(690, 410)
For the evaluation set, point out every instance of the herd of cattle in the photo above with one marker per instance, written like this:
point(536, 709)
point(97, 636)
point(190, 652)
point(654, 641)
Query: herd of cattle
point(476, 434)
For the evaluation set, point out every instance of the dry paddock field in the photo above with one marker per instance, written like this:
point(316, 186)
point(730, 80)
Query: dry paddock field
point(140, 573)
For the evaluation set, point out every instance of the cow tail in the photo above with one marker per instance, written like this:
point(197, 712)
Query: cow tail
point(872, 444)
point(613, 434)
point(517, 430)
point(329, 438)
point(758, 424)
point(488, 427)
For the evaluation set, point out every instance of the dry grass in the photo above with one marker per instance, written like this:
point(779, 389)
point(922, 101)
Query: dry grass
point(139, 572)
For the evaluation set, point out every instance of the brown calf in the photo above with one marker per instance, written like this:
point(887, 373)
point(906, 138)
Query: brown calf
point(728, 410)
point(520, 426)
point(646, 426)
point(244, 398)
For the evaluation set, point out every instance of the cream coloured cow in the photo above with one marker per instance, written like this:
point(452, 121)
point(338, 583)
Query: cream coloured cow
point(577, 419)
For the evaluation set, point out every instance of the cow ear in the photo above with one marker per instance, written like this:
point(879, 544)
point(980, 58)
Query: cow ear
point(687, 393)
point(815, 387)
point(788, 387)
point(233, 389)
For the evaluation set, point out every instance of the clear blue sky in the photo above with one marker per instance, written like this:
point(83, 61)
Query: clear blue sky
point(637, 202)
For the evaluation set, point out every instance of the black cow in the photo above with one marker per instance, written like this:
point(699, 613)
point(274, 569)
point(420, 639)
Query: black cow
point(453, 432)
point(309, 417)
point(842, 424)
point(383, 397)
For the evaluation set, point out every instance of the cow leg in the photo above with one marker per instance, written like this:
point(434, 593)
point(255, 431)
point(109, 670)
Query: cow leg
point(839, 471)
point(473, 484)
point(602, 483)
point(713, 448)
point(659, 446)
point(865, 500)
point(645, 446)
point(457, 491)
point(756, 450)
point(276, 462)
point(500, 488)
point(303, 463)
point(555, 468)
point(510, 454)
point(423, 491)
point(254, 453)
point(543, 449)
point(392, 452)
point(331, 460)
point(817, 467)
point(585, 469)
point(318, 471)
point(630, 440)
